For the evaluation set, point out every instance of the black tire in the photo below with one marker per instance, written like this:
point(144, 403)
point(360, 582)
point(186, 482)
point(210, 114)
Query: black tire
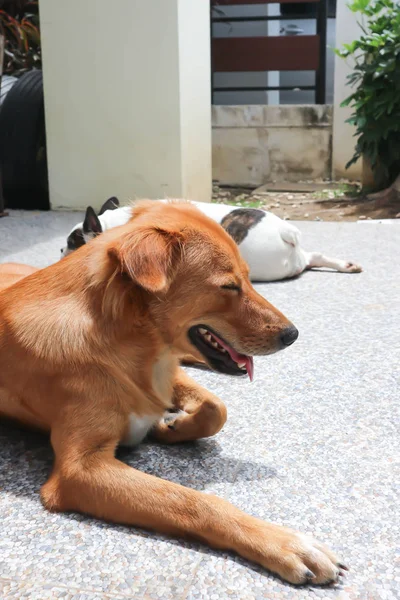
point(23, 159)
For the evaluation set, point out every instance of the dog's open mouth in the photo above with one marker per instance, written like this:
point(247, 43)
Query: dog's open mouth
point(219, 354)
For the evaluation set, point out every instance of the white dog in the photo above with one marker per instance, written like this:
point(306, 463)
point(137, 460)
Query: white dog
point(270, 246)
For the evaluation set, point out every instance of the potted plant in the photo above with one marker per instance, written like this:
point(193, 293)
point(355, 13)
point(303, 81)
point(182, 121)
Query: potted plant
point(19, 24)
point(376, 82)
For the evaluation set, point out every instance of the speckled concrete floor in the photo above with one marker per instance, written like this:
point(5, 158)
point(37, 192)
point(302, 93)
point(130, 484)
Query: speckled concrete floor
point(312, 443)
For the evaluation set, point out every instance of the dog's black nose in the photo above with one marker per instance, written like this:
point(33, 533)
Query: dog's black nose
point(289, 335)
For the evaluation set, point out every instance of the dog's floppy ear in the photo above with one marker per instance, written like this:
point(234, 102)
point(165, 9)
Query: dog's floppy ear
point(91, 224)
point(149, 256)
point(110, 204)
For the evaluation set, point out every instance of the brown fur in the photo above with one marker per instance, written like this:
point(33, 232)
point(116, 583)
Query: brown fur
point(12, 272)
point(98, 335)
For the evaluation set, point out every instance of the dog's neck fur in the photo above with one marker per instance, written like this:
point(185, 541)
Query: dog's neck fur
point(106, 317)
point(131, 308)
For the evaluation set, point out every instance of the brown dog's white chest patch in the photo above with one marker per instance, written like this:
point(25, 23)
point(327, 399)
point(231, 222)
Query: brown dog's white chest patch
point(162, 382)
point(138, 428)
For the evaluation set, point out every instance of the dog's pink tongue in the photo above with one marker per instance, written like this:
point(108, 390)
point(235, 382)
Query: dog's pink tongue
point(240, 359)
point(250, 367)
point(248, 363)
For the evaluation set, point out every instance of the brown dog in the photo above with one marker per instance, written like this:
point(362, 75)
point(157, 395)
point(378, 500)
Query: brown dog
point(90, 351)
point(12, 272)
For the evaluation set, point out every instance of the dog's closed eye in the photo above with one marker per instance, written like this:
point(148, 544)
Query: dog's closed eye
point(231, 286)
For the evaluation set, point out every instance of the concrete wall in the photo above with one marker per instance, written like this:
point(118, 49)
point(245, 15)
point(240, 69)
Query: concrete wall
point(253, 145)
point(347, 30)
point(127, 99)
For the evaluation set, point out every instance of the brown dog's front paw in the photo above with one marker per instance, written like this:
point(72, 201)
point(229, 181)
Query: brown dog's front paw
point(300, 559)
point(167, 428)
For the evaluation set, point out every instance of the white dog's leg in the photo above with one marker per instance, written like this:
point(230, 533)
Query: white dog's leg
point(316, 259)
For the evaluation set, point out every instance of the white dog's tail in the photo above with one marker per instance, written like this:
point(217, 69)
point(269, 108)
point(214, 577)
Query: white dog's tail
point(290, 234)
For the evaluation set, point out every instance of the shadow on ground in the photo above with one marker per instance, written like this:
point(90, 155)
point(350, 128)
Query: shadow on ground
point(27, 459)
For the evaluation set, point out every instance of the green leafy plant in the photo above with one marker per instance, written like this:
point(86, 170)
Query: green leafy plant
point(19, 24)
point(376, 79)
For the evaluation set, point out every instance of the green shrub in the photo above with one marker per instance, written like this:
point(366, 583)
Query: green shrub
point(376, 79)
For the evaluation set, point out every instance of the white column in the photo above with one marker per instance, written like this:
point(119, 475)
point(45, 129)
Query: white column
point(127, 99)
point(347, 30)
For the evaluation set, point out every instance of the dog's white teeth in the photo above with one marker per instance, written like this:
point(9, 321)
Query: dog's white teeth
point(241, 365)
point(211, 340)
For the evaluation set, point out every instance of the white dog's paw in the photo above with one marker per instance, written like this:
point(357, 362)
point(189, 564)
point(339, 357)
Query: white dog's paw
point(350, 268)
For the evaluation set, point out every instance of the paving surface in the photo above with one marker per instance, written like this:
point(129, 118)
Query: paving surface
point(312, 443)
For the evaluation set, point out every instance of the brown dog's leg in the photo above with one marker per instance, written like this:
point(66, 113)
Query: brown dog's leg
point(201, 414)
point(189, 360)
point(89, 479)
point(17, 269)
point(11, 273)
